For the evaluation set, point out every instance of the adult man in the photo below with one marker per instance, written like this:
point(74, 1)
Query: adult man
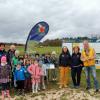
point(88, 57)
point(10, 54)
point(2, 50)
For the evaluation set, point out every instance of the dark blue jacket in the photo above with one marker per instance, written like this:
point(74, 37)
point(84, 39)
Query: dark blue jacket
point(76, 60)
point(10, 55)
point(20, 74)
point(65, 59)
point(47, 60)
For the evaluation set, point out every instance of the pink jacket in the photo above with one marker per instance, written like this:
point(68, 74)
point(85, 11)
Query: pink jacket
point(35, 71)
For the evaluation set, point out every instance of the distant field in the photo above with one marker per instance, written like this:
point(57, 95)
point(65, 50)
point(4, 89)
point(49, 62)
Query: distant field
point(34, 47)
point(20, 48)
point(40, 50)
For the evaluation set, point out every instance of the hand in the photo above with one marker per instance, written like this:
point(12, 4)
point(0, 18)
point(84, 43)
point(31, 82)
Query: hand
point(85, 59)
point(10, 80)
point(81, 65)
point(32, 76)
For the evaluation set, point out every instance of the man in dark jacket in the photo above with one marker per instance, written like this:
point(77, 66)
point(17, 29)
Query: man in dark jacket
point(2, 50)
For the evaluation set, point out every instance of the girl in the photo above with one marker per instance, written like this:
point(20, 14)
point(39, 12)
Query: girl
point(64, 62)
point(28, 76)
point(19, 77)
point(46, 65)
point(5, 70)
point(54, 61)
point(76, 66)
point(36, 74)
point(26, 56)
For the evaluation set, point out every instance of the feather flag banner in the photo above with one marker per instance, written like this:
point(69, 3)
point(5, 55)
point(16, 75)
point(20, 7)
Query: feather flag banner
point(37, 32)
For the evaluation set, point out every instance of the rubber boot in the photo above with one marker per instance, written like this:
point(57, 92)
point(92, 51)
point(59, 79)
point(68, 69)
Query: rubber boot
point(3, 95)
point(8, 94)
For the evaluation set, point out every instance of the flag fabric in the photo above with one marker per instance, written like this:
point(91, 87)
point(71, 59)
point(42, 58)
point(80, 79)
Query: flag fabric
point(37, 32)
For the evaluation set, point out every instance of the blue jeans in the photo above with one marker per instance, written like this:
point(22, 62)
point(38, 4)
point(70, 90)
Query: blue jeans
point(91, 70)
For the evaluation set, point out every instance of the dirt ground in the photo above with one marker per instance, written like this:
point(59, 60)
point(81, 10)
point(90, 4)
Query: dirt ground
point(61, 94)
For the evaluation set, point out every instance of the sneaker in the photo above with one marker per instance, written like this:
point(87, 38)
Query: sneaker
point(77, 87)
point(60, 86)
point(23, 93)
point(33, 91)
point(19, 92)
point(97, 90)
point(36, 91)
point(53, 79)
point(87, 88)
point(39, 89)
point(65, 86)
point(44, 88)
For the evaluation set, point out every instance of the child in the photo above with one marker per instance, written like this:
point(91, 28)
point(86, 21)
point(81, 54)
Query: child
point(5, 77)
point(26, 56)
point(15, 61)
point(27, 76)
point(36, 74)
point(54, 61)
point(19, 78)
point(43, 77)
point(21, 59)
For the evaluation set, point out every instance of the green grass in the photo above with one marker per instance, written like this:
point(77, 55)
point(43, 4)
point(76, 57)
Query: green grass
point(33, 47)
point(41, 50)
point(83, 81)
point(48, 49)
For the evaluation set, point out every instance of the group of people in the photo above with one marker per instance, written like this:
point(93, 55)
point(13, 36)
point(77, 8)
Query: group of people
point(24, 73)
point(78, 61)
point(30, 73)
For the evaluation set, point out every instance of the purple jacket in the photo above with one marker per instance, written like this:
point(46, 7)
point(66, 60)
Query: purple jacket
point(5, 73)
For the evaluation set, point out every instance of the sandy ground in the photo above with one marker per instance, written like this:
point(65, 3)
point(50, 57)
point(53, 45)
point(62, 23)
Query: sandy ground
point(62, 94)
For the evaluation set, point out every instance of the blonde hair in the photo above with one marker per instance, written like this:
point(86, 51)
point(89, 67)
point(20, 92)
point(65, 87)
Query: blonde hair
point(76, 47)
point(17, 52)
point(12, 46)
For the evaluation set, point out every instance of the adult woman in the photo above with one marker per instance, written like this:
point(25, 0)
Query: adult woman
point(76, 66)
point(64, 63)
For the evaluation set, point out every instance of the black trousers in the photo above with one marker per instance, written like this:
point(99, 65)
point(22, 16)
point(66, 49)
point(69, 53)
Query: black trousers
point(76, 75)
point(5, 86)
point(20, 84)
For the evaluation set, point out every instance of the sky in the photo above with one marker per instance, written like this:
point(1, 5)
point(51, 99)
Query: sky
point(66, 18)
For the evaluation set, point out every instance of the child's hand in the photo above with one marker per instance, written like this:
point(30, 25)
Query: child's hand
point(10, 80)
point(25, 71)
point(32, 76)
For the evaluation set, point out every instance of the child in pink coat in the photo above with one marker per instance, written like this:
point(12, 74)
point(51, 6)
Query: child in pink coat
point(36, 73)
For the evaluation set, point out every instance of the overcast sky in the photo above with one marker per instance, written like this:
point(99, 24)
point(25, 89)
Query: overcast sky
point(65, 18)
